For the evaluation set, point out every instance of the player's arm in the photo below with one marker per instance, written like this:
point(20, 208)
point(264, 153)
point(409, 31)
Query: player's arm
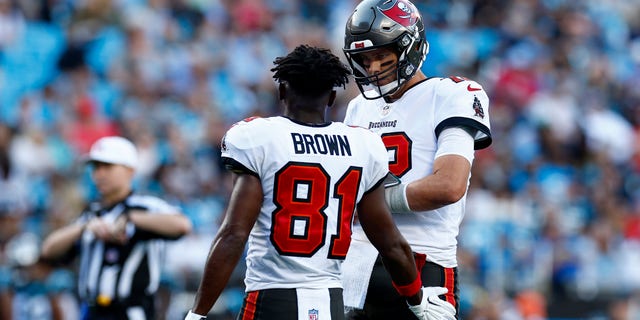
point(445, 186)
point(228, 245)
point(448, 181)
point(396, 253)
point(398, 259)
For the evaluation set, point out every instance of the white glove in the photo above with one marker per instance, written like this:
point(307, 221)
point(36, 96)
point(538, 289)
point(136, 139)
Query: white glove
point(432, 307)
point(194, 316)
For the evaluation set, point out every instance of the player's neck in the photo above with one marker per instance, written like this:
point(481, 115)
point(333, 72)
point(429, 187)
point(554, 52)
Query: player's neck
point(418, 77)
point(308, 117)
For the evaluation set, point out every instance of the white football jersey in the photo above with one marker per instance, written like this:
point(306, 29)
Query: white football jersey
point(410, 128)
point(312, 178)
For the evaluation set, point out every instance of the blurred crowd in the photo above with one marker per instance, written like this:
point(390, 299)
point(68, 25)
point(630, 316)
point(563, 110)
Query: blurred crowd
point(552, 228)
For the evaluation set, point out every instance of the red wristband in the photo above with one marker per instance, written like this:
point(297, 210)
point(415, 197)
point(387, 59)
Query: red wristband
point(410, 289)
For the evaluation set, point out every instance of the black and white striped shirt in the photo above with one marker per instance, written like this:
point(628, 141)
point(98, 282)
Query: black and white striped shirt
point(126, 274)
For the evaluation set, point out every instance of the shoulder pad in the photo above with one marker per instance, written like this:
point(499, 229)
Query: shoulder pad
point(246, 120)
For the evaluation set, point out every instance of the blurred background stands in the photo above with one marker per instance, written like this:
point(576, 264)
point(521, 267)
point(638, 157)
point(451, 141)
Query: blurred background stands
point(553, 216)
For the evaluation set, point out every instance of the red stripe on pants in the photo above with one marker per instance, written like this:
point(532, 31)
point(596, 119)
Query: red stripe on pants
point(449, 283)
point(250, 305)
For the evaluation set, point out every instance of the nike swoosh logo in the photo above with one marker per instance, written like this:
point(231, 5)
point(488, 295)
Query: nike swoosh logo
point(469, 88)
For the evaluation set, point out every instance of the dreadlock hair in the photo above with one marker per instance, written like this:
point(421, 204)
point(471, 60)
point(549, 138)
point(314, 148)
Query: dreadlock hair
point(311, 71)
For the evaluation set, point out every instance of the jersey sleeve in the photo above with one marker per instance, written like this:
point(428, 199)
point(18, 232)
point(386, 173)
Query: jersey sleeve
point(354, 108)
point(239, 153)
point(464, 103)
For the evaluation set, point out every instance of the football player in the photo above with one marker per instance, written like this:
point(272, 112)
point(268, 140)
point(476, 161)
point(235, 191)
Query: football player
point(298, 180)
point(430, 127)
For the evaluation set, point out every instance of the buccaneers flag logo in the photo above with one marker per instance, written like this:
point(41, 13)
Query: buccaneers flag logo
point(400, 11)
point(477, 107)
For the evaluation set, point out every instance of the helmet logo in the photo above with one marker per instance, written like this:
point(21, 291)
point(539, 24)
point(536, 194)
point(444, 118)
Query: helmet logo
point(361, 44)
point(400, 11)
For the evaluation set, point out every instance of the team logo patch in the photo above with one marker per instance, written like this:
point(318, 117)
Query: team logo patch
point(400, 11)
point(361, 44)
point(313, 314)
point(477, 107)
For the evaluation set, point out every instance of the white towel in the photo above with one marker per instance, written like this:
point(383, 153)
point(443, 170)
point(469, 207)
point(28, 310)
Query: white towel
point(356, 272)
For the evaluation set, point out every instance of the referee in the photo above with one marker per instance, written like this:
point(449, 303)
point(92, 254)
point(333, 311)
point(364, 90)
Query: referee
point(120, 238)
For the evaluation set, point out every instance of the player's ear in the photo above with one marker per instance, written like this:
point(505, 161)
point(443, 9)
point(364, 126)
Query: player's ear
point(282, 89)
point(332, 98)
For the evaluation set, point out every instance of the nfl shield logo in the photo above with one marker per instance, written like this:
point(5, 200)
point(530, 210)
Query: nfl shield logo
point(385, 110)
point(313, 314)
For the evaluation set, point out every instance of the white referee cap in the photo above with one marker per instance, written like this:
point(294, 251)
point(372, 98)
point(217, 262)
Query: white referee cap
point(114, 150)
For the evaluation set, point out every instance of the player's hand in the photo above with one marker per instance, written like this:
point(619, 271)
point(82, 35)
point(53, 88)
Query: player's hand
point(194, 316)
point(432, 307)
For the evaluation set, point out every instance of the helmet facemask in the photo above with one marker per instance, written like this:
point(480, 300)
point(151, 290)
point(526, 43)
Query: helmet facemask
point(369, 85)
point(402, 71)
